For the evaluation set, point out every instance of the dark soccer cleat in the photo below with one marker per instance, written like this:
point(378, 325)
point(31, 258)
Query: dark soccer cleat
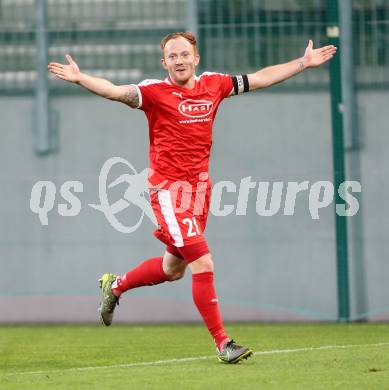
point(109, 302)
point(233, 353)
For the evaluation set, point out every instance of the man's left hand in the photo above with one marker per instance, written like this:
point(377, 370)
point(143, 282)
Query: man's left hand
point(316, 57)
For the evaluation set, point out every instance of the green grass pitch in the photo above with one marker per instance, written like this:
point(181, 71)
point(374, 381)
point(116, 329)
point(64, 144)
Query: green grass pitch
point(296, 356)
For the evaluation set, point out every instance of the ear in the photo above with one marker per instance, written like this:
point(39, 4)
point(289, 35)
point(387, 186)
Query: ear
point(197, 59)
point(164, 66)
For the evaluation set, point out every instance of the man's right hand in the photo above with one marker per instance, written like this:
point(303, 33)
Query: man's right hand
point(127, 94)
point(69, 72)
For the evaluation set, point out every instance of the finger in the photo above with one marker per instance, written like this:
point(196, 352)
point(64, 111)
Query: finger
point(329, 47)
point(70, 59)
point(310, 44)
point(328, 57)
point(57, 76)
point(328, 52)
point(57, 72)
point(56, 68)
point(56, 64)
point(61, 76)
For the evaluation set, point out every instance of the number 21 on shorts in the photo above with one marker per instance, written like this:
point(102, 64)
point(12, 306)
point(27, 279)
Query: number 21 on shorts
point(193, 228)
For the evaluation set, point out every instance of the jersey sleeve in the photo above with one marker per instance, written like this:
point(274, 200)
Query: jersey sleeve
point(226, 85)
point(148, 93)
point(221, 82)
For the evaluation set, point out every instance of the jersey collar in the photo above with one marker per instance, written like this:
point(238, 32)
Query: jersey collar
point(169, 81)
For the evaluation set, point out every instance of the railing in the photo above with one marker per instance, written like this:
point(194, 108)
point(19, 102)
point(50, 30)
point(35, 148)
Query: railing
point(119, 39)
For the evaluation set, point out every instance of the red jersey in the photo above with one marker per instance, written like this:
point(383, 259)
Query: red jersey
point(180, 125)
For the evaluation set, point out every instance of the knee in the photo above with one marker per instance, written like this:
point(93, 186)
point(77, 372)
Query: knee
point(176, 272)
point(203, 264)
point(176, 276)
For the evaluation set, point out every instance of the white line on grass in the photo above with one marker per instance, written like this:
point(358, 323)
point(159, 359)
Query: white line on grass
point(194, 358)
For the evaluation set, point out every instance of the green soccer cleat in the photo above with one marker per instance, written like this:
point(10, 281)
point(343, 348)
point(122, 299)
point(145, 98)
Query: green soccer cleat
point(233, 353)
point(109, 302)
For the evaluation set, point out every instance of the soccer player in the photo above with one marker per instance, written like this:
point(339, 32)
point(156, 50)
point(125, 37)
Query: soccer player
point(180, 111)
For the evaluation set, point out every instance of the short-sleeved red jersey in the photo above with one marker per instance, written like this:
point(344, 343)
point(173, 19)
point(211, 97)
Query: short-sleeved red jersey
point(180, 125)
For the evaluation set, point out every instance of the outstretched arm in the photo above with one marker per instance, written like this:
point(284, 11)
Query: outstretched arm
point(70, 72)
point(277, 73)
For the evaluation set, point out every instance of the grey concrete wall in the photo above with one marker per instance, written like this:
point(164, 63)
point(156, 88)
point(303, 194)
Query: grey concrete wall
point(267, 268)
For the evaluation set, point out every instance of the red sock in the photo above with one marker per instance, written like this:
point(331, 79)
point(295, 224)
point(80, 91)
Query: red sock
point(204, 297)
point(148, 273)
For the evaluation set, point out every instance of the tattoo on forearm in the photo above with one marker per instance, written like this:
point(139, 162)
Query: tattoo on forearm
point(130, 98)
point(301, 66)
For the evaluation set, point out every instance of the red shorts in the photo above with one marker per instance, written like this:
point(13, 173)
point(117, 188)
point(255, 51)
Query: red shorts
point(181, 216)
